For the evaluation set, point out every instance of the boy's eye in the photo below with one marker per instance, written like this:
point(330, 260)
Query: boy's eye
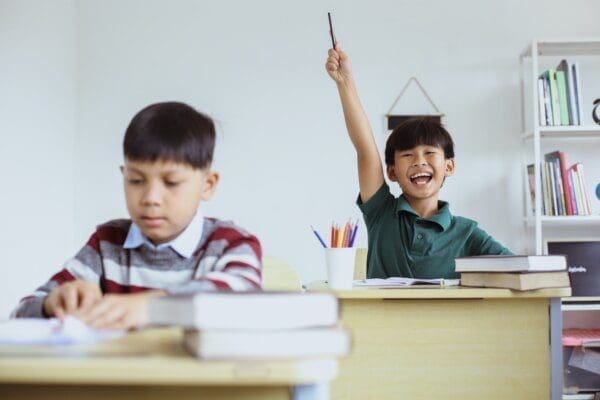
point(171, 183)
point(405, 155)
point(134, 181)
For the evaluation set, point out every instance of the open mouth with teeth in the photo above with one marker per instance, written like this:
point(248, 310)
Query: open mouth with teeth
point(421, 178)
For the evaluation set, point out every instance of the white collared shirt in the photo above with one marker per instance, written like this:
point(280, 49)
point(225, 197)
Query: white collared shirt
point(184, 244)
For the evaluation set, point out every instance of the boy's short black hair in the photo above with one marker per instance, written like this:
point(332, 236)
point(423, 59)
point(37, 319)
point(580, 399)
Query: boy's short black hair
point(418, 131)
point(170, 131)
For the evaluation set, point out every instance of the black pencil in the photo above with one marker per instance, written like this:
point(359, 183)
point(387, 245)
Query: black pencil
point(331, 30)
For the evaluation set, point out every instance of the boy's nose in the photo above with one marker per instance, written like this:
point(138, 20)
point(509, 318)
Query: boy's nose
point(151, 196)
point(419, 161)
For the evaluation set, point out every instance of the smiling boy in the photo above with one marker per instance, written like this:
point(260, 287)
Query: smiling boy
point(414, 235)
point(167, 246)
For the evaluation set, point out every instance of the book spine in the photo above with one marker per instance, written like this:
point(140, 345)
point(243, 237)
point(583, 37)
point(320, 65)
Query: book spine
point(541, 106)
point(559, 187)
point(572, 192)
point(531, 182)
point(554, 97)
point(548, 189)
point(547, 102)
point(562, 158)
point(577, 79)
point(577, 188)
point(544, 191)
point(584, 192)
point(571, 92)
point(555, 210)
point(562, 98)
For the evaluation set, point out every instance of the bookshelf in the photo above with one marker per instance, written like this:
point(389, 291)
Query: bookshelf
point(534, 135)
point(576, 312)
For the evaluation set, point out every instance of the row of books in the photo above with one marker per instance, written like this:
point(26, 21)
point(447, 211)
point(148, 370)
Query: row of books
point(255, 325)
point(563, 187)
point(514, 272)
point(559, 95)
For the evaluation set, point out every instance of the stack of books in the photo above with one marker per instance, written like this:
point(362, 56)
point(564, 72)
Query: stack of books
point(563, 187)
point(255, 325)
point(559, 95)
point(513, 272)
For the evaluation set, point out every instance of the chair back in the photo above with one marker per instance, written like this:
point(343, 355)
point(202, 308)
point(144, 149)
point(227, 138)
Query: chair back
point(360, 264)
point(278, 275)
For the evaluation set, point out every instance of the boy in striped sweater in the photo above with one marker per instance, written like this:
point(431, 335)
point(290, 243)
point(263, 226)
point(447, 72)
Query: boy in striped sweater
point(167, 246)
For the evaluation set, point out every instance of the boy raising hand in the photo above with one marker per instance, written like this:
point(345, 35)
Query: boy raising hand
point(414, 235)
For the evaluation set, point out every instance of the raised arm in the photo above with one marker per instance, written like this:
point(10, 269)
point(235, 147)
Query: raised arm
point(370, 170)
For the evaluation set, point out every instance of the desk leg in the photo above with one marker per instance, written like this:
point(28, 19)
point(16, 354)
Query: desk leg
point(316, 391)
point(556, 351)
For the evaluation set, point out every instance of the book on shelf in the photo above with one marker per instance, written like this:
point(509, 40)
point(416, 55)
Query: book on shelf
point(564, 191)
point(511, 263)
point(581, 337)
point(564, 67)
point(577, 84)
point(559, 92)
point(531, 181)
point(245, 310)
point(516, 280)
point(270, 344)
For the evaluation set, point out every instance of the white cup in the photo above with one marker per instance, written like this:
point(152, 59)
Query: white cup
point(340, 267)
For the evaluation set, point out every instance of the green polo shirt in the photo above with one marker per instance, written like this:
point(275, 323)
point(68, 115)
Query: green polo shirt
point(403, 244)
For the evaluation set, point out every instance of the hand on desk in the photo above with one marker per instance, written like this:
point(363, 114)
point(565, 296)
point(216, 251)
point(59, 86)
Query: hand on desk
point(85, 301)
point(71, 297)
point(119, 311)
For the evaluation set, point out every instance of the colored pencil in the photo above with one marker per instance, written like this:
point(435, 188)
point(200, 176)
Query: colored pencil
point(318, 237)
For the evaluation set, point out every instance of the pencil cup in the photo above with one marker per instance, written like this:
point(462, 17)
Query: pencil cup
point(340, 267)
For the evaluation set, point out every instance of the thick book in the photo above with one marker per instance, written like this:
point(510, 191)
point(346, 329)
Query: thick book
point(246, 310)
point(511, 263)
point(516, 281)
point(565, 67)
point(561, 84)
point(274, 344)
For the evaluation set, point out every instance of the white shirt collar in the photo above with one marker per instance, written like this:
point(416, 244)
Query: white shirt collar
point(184, 244)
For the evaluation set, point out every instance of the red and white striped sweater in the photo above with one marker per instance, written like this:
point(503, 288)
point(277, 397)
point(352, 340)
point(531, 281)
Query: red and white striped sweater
point(226, 258)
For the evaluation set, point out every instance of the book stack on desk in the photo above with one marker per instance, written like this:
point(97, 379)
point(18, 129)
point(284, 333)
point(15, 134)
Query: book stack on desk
point(255, 325)
point(514, 272)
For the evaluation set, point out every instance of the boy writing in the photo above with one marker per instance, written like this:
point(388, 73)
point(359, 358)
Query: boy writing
point(413, 235)
point(167, 246)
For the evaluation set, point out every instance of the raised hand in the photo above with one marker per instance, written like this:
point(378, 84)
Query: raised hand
point(338, 65)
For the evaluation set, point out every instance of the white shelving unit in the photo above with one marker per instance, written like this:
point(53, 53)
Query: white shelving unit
point(580, 312)
point(533, 137)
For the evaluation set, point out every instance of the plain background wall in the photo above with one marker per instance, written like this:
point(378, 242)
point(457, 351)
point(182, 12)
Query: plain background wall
point(72, 81)
point(37, 124)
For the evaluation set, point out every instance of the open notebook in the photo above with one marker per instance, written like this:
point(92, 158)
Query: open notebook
point(404, 282)
point(40, 331)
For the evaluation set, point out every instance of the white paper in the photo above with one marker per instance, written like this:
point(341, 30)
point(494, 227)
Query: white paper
point(400, 282)
point(51, 331)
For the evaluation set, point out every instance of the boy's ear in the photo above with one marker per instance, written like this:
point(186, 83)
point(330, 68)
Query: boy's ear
point(391, 173)
point(449, 167)
point(211, 179)
point(122, 169)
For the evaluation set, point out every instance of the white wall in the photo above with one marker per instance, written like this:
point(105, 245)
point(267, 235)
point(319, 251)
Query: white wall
point(258, 69)
point(37, 126)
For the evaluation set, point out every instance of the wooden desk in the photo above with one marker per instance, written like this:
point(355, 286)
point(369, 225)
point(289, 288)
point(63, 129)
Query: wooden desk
point(152, 365)
point(450, 343)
